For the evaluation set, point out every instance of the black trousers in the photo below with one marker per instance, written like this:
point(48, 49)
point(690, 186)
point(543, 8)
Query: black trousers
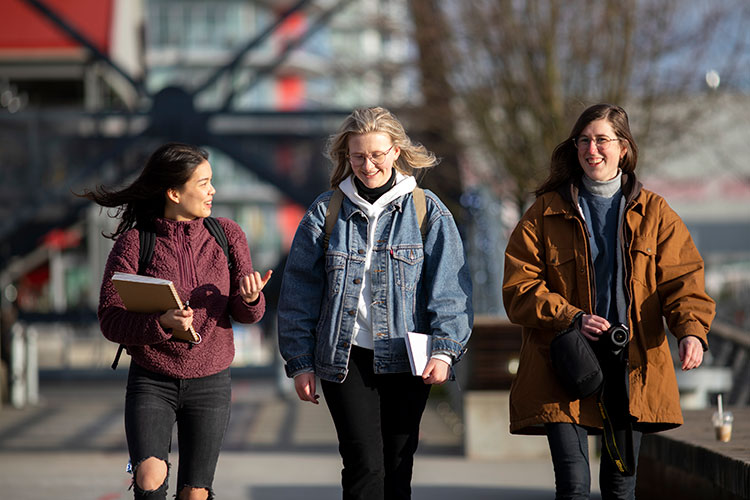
point(377, 422)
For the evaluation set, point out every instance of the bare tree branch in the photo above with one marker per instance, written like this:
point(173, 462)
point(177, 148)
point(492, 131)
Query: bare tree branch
point(521, 71)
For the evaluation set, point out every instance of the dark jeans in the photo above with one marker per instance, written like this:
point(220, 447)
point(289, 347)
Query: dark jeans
point(201, 406)
point(377, 421)
point(569, 446)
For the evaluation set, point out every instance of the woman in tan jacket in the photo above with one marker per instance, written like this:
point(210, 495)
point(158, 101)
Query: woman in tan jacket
point(596, 249)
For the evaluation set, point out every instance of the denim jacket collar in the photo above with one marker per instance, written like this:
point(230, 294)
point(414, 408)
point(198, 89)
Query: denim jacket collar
point(404, 184)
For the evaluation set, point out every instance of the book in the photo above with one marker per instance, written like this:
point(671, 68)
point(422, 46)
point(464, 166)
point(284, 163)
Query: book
point(146, 294)
point(419, 348)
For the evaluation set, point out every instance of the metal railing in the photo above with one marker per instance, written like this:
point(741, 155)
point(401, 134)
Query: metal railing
point(730, 348)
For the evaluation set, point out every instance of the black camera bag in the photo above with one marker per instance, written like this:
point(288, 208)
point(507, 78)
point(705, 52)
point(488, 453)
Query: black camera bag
point(575, 363)
point(579, 371)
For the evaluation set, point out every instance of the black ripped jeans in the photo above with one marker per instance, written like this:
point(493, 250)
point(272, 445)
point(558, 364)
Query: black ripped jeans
point(200, 407)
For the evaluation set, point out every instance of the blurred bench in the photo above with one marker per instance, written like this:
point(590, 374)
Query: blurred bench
point(492, 355)
point(485, 375)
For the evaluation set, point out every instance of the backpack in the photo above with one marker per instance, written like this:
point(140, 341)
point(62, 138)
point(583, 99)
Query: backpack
point(334, 205)
point(147, 240)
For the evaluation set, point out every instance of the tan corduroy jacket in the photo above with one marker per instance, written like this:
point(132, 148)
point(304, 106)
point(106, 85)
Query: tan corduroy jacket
point(548, 280)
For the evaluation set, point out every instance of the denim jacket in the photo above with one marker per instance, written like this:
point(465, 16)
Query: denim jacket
point(415, 286)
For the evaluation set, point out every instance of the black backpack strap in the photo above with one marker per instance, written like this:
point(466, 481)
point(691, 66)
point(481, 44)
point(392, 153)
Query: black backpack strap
point(146, 250)
point(117, 357)
point(147, 240)
point(214, 227)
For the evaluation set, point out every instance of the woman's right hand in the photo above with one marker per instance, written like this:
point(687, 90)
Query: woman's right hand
point(177, 319)
point(304, 384)
point(592, 326)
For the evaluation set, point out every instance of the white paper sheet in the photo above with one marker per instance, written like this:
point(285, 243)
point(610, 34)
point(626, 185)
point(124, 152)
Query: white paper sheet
point(419, 347)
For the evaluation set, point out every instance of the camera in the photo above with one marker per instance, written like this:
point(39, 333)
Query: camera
point(617, 337)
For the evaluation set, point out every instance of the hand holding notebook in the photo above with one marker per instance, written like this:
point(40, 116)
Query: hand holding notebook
point(147, 294)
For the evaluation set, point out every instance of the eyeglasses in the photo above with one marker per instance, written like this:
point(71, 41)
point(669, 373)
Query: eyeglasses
point(377, 158)
point(602, 142)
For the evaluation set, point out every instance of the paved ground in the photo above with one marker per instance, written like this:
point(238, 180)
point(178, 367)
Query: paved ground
point(71, 446)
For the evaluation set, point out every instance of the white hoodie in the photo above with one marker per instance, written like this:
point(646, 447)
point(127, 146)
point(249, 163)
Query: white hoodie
point(362, 335)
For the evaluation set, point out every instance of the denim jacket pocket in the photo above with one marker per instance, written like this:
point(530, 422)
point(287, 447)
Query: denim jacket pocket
point(408, 261)
point(335, 270)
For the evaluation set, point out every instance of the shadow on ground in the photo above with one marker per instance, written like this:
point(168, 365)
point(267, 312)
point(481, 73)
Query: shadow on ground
point(316, 492)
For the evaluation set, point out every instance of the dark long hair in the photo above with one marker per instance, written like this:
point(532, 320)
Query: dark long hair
point(564, 165)
point(140, 203)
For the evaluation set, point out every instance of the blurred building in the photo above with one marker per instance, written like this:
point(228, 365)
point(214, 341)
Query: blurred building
point(89, 87)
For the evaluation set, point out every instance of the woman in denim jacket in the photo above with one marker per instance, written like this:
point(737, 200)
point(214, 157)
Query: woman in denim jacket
point(345, 306)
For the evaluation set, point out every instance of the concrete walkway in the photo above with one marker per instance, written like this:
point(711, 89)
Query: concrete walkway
point(72, 446)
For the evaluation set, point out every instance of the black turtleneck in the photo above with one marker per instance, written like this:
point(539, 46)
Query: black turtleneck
point(372, 194)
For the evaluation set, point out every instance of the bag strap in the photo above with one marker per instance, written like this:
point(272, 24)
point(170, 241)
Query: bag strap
point(420, 204)
point(625, 465)
point(332, 213)
point(334, 205)
point(217, 231)
point(147, 241)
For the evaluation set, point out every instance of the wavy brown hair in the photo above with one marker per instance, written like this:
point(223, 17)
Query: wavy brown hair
point(564, 165)
point(140, 203)
point(413, 157)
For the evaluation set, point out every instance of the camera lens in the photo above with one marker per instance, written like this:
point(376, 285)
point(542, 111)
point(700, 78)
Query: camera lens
point(619, 336)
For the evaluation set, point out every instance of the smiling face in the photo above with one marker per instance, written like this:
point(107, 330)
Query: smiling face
point(364, 150)
point(194, 198)
point(600, 163)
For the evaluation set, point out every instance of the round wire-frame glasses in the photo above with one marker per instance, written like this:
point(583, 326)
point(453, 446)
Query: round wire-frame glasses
point(377, 157)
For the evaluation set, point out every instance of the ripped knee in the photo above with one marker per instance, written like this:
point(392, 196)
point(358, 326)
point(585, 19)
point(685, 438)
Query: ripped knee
point(150, 474)
point(191, 493)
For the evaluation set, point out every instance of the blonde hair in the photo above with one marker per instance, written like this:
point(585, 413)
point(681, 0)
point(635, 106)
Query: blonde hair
point(413, 155)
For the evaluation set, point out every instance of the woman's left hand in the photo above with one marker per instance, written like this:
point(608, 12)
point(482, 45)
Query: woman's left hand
point(436, 371)
point(252, 284)
point(691, 352)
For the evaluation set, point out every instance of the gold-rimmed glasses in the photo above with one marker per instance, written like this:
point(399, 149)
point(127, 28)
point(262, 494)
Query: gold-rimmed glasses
point(376, 157)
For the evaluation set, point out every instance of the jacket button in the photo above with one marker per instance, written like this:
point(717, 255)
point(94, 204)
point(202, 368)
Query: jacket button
point(340, 376)
point(357, 281)
point(582, 270)
point(360, 251)
point(352, 312)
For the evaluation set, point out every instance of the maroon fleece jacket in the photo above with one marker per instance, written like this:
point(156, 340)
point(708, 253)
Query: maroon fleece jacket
point(186, 254)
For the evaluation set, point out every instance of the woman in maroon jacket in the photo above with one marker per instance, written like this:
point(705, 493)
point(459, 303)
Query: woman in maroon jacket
point(170, 380)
